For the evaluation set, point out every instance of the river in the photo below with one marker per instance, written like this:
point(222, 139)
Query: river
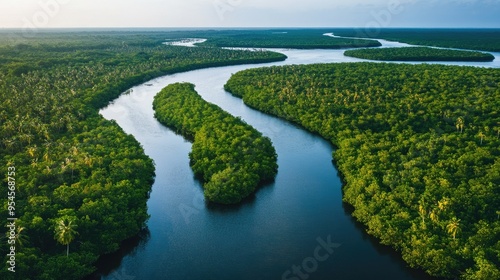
point(296, 227)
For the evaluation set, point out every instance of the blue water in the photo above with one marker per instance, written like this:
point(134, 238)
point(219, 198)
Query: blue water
point(277, 233)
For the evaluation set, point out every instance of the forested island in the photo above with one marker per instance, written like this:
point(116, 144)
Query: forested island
point(82, 183)
point(418, 148)
point(419, 54)
point(480, 39)
point(228, 155)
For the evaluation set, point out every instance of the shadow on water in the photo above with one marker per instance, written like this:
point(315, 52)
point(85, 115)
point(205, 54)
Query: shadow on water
point(108, 263)
point(381, 249)
point(228, 208)
point(385, 250)
point(246, 202)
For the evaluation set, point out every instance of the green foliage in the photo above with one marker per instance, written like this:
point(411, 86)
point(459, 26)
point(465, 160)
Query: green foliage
point(287, 38)
point(418, 148)
point(65, 231)
point(230, 156)
point(419, 54)
point(471, 39)
point(64, 267)
point(69, 160)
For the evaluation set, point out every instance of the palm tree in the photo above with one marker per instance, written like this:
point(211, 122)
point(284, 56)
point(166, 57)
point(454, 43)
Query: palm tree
point(87, 160)
point(20, 238)
point(453, 227)
point(65, 233)
point(433, 216)
point(443, 204)
point(481, 135)
point(421, 210)
point(32, 151)
point(460, 124)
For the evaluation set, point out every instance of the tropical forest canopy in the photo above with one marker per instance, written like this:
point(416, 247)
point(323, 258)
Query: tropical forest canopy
point(419, 54)
point(230, 156)
point(287, 38)
point(472, 39)
point(417, 144)
point(418, 147)
point(82, 183)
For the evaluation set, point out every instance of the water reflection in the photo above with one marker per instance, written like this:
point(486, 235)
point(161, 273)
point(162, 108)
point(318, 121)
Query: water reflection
point(270, 231)
point(108, 264)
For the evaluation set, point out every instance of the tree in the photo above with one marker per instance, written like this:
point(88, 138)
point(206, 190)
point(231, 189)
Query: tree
point(65, 232)
point(443, 204)
point(32, 151)
point(21, 238)
point(423, 213)
point(481, 135)
point(433, 216)
point(453, 227)
point(460, 124)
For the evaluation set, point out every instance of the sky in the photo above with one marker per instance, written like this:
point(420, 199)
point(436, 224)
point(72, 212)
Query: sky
point(37, 14)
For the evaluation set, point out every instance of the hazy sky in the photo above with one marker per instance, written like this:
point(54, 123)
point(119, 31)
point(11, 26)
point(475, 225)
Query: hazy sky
point(249, 13)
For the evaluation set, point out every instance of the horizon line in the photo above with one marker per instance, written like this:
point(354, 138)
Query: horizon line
point(229, 28)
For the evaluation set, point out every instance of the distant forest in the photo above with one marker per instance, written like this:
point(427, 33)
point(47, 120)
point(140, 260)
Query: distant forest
point(471, 39)
point(419, 54)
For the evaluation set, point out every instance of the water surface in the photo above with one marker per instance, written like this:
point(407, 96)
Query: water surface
point(280, 227)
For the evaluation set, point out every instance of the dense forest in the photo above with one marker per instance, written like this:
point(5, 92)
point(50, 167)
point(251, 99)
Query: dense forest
point(297, 39)
point(81, 183)
point(230, 156)
point(472, 39)
point(418, 148)
point(419, 54)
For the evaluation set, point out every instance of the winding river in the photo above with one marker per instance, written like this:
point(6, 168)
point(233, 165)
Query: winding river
point(296, 228)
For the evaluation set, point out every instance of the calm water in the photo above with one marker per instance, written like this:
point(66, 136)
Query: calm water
point(281, 226)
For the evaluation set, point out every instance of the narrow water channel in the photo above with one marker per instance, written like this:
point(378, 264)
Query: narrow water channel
point(273, 234)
